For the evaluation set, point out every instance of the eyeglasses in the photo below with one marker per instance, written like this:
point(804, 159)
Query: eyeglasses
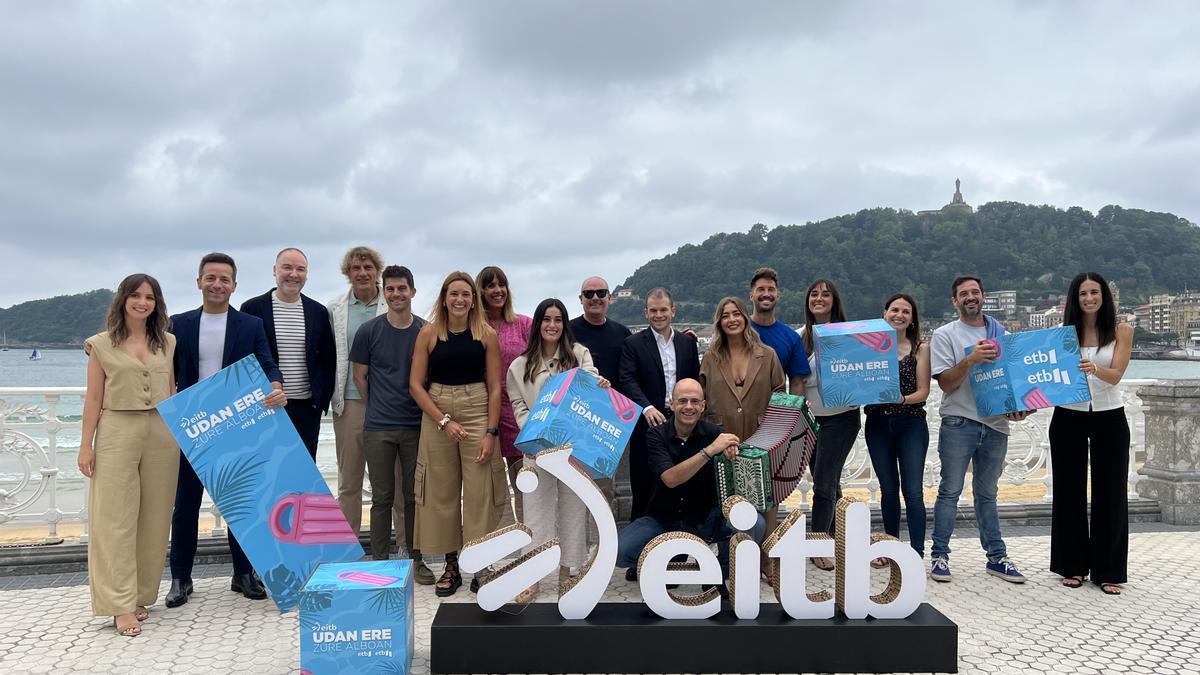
point(690, 402)
point(598, 293)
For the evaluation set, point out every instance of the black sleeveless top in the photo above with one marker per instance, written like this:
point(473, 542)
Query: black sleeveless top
point(461, 359)
point(908, 384)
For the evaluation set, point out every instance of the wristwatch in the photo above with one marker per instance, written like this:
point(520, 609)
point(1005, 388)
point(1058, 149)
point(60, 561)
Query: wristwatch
point(493, 431)
point(444, 422)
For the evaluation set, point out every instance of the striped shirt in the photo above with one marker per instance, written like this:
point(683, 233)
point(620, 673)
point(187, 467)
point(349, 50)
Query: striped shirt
point(289, 337)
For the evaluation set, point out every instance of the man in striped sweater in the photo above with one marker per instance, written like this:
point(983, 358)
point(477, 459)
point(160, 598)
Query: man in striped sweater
point(301, 340)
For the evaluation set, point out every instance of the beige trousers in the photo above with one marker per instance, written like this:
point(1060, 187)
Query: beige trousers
point(129, 509)
point(457, 499)
point(352, 464)
point(552, 510)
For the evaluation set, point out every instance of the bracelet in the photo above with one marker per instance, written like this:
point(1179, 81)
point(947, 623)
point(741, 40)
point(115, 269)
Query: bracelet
point(444, 422)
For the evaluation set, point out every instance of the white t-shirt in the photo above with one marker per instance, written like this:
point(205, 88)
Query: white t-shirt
point(946, 349)
point(212, 342)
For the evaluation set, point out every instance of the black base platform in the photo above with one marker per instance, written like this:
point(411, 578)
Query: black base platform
point(629, 638)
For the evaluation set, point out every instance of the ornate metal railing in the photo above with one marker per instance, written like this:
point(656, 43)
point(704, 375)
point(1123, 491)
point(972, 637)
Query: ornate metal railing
point(32, 433)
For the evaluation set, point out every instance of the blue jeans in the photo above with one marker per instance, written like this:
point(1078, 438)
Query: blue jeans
point(633, 539)
point(898, 444)
point(834, 443)
point(961, 442)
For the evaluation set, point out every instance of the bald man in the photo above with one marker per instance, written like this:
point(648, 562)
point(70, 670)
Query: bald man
point(680, 454)
point(602, 336)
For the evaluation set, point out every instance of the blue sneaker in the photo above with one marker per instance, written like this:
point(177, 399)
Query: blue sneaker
point(1006, 570)
point(940, 569)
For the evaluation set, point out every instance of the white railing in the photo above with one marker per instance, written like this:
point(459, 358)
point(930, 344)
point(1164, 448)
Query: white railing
point(32, 435)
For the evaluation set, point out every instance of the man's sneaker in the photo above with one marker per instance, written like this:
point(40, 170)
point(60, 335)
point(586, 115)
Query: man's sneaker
point(940, 569)
point(1006, 570)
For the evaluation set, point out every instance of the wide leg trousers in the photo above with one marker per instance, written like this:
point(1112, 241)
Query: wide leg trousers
point(129, 509)
point(1099, 439)
point(457, 499)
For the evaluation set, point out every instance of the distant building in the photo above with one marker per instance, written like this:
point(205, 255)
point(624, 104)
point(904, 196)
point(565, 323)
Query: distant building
point(1000, 303)
point(1160, 314)
point(624, 293)
point(957, 205)
point(1050, 318)
point(1116, 293)
point(1141, 317)
point(1185, 309)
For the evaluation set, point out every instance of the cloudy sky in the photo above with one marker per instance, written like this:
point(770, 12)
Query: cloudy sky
point(556, 139)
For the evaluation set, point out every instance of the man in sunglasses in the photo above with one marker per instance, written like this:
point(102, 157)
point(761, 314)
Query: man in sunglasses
point(602, 336)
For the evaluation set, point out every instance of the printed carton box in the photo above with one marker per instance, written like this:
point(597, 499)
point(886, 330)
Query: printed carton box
point(573, 409)
point(858, 363)
point(357, 618)
point(1034, 369)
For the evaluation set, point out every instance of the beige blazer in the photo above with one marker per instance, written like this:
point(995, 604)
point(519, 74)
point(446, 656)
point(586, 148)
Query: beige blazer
point(739, 410)
point(525, 394)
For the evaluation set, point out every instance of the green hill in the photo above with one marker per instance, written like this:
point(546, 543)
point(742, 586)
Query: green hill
point(61, 321)
point(876, 252)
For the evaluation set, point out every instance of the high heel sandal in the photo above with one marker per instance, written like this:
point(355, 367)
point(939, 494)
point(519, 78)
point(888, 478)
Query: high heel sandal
point(141, 613)
point(450, 580)
point(133, 629)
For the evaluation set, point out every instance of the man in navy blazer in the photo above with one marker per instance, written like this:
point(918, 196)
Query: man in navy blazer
point(206, 340)
point(652, 361)
point(301, 340)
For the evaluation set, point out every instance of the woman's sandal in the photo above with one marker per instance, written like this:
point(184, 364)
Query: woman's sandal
point(879, 563)
point(1072, 582)
point(527, 596)
point(133, 629)
point(450, 581)
point(1110, 589)
point(766, 573)
point(824, 564)
point(141, 613)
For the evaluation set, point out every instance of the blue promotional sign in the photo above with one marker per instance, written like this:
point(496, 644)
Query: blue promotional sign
point(574, 409)
point(858, 363)
point(357, 618)
point(253, 463)
point(1034, 369)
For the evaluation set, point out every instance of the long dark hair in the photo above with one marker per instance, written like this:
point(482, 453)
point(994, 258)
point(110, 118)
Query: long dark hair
point(1106, 318)
point(914, 329)
point(836, 313)
point(156, 323)
point(566, 343)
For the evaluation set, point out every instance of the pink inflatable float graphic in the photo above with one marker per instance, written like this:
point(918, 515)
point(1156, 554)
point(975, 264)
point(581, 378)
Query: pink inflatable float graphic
point(310, 519)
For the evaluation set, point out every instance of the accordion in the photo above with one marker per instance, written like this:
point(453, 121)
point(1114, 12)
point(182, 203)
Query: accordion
point(788, 434)
point(748, 476)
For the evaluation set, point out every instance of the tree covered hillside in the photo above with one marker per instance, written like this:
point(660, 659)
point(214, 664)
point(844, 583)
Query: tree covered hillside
point(59, 321)
point(873, 253)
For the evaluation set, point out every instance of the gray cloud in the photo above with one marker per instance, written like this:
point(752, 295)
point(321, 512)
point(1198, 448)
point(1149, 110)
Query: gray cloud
point(556, 140)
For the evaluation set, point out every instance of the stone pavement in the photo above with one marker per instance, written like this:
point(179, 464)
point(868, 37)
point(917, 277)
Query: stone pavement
point(46, 624)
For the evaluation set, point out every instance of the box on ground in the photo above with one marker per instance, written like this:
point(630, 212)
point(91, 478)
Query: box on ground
point(1034, 369)
point(573, 409)
point(357, 618)
point(858, 363)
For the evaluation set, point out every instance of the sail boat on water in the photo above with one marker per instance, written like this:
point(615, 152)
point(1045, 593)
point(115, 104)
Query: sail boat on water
point(4, 347)
point(35, 356)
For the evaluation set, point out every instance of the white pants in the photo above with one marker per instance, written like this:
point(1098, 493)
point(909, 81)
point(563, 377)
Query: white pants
point(552, 510)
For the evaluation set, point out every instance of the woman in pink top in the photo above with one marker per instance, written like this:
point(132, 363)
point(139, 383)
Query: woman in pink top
point(513, 331)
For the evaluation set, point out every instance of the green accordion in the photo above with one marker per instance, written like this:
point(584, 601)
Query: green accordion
point(748, 476)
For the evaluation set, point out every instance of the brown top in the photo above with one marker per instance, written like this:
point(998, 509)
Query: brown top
point(739, 410)
point(130, 384)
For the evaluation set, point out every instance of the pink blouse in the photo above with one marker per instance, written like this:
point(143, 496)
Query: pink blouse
point(514, 338)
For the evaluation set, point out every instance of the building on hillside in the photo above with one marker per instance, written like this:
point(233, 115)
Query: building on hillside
point(1116, 293)
point(1185, 309)
point(1000, 303)
point(1127, 317)
point(1141, 317)
point(1193, 337)
point(624, 293)
point(1160, 314)
point(1050, 318)
point(957, 205)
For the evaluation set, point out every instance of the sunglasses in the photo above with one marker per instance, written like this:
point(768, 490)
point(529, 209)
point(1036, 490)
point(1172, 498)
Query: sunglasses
point(598, 293)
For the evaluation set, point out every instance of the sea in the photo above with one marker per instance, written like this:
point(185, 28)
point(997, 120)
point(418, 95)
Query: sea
point(68, 368)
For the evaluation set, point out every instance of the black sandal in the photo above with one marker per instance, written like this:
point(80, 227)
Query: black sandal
point(1072, 582)
point(451, 579)
point(1110, 589)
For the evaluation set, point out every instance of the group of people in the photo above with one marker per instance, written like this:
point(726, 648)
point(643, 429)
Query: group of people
point(429, 409)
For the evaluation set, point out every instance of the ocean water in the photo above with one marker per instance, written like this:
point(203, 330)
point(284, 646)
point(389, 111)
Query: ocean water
point(68, 368)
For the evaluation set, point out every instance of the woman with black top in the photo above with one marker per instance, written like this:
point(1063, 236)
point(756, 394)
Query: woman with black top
point(897, 435)
point(456, 382)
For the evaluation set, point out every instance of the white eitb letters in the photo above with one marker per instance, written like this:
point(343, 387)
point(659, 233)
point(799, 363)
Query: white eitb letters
point(789, 547)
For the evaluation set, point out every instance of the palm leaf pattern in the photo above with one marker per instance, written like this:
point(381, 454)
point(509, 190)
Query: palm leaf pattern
point(311, 606)
point(234, 487)
point(390, 668)
point(390, 600)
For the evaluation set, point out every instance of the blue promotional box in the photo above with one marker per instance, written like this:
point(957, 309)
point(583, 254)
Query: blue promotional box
point(253, 463)
point(1034, 369)
point(357, 618)
point(574, 409)
point(858, 363)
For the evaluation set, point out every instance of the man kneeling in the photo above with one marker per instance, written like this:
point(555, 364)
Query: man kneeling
point(680, 452)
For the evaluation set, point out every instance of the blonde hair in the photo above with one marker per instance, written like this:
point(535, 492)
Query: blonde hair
point(360, 253)
point(441, 315)
point(719, 348)
point(485, 277)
